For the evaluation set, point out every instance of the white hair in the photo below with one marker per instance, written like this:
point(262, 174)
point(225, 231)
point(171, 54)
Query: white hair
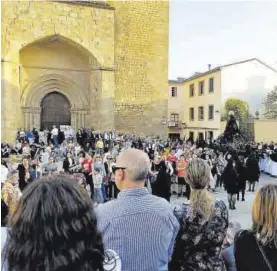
point(136, 162)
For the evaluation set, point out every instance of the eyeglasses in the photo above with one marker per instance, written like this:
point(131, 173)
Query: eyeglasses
point(114, 169)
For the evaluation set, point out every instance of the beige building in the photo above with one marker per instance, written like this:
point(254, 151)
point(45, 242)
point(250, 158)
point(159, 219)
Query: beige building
point(205, 94)
point(176, 107)
point(100, 64)
point(265, 130)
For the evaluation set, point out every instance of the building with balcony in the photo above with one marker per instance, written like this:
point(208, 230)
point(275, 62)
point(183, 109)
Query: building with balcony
point(205, 93)
point(176, 107)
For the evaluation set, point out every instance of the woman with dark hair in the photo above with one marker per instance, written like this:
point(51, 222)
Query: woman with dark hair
point(242, 173)
point(253, 171)
point(161, 187)
point(54, 228)
point(231, 181)
point(68, 163)
point(36, 136)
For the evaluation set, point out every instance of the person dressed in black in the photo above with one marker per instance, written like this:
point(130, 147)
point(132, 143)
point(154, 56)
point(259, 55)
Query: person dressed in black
point(5, 152)
point(4, 209)
point(68, 163)
point(161, 187)
point(231, 180)
point(242, 174)
point(24, 174)
point(253, 171)
point(36, 136)
point(80, 138)
point(49, 139)
point(256, 249)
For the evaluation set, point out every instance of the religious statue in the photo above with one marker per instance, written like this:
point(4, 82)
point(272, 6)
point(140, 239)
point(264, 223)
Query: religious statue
point(232, 138)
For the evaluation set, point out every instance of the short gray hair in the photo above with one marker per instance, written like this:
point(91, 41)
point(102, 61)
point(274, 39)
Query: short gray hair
point(137, 163)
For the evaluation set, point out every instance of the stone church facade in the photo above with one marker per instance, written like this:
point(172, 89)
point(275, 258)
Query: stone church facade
point(100, 64)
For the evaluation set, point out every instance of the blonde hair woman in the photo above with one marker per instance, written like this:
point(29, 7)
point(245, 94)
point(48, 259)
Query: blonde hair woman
point(256, 249)
point(204, 224)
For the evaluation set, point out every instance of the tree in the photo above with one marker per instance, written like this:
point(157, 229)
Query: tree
point(270, 103)
point(238, 106)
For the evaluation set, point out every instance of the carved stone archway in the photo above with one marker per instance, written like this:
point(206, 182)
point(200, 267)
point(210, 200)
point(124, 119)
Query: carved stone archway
point(37, 90)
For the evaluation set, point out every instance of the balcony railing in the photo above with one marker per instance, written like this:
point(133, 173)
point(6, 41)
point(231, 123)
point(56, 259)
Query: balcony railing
point(175, 124)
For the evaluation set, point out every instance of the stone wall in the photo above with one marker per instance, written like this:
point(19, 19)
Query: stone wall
point(126, 85)
point(29, 29)
point(141, 57)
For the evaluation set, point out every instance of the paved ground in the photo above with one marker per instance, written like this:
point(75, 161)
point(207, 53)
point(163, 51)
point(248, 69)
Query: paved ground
point(243, 212)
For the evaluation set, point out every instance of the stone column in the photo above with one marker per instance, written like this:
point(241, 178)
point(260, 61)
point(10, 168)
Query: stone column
point(83, 119)
point(37, 117)
point(25, 120)
point(73, 120)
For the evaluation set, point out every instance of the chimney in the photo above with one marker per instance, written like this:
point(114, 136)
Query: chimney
point(209, 66)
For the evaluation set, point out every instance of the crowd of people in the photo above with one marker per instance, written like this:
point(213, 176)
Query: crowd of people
point(101, 201)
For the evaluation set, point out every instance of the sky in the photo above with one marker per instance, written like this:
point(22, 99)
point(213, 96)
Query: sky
point(220, 32)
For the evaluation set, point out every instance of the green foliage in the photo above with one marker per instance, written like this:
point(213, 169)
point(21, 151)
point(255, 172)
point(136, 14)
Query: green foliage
point(240, 108)
point(270, 103)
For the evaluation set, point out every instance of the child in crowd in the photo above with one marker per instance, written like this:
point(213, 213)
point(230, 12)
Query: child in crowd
point(97, 181)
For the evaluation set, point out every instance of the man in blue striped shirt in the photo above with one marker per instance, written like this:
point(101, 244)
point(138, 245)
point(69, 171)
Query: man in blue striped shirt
point(140, 227)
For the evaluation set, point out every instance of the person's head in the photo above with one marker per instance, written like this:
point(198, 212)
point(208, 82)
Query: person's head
point(198, 178)
point(54, 126)
point(68, 155)
point(51, 160)
point(25, 162)
point(82, 154)
point(230, 163)
point(88, 156)
point(98, 158)
point(173, 151)
point(97, 170)
point(182, 157)
point(131, 169)
point(264, 214)
point(55, 225)
point(233, 228)
point(13, 177)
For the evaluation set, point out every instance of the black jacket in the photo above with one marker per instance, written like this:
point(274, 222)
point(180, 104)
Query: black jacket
point(66, 164)
point(231, 180)
point(253, 169)
point(248, 256)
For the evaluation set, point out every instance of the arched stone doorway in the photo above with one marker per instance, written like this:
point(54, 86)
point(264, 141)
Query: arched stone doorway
point(55, 110)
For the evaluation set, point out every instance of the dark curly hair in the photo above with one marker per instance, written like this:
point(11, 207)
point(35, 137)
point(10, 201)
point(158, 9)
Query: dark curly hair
point(54, 228)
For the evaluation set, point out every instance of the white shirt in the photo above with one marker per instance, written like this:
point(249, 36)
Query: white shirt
point(97, 180)
point(55, 132)
point(4, 173)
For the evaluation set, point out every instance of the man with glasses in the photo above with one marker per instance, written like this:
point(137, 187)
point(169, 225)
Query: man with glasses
point(139, 226)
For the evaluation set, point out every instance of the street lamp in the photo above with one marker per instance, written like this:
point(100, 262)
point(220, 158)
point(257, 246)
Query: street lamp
point(163, 121)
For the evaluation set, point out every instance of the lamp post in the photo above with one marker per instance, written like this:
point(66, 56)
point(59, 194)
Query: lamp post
point(257, 115)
